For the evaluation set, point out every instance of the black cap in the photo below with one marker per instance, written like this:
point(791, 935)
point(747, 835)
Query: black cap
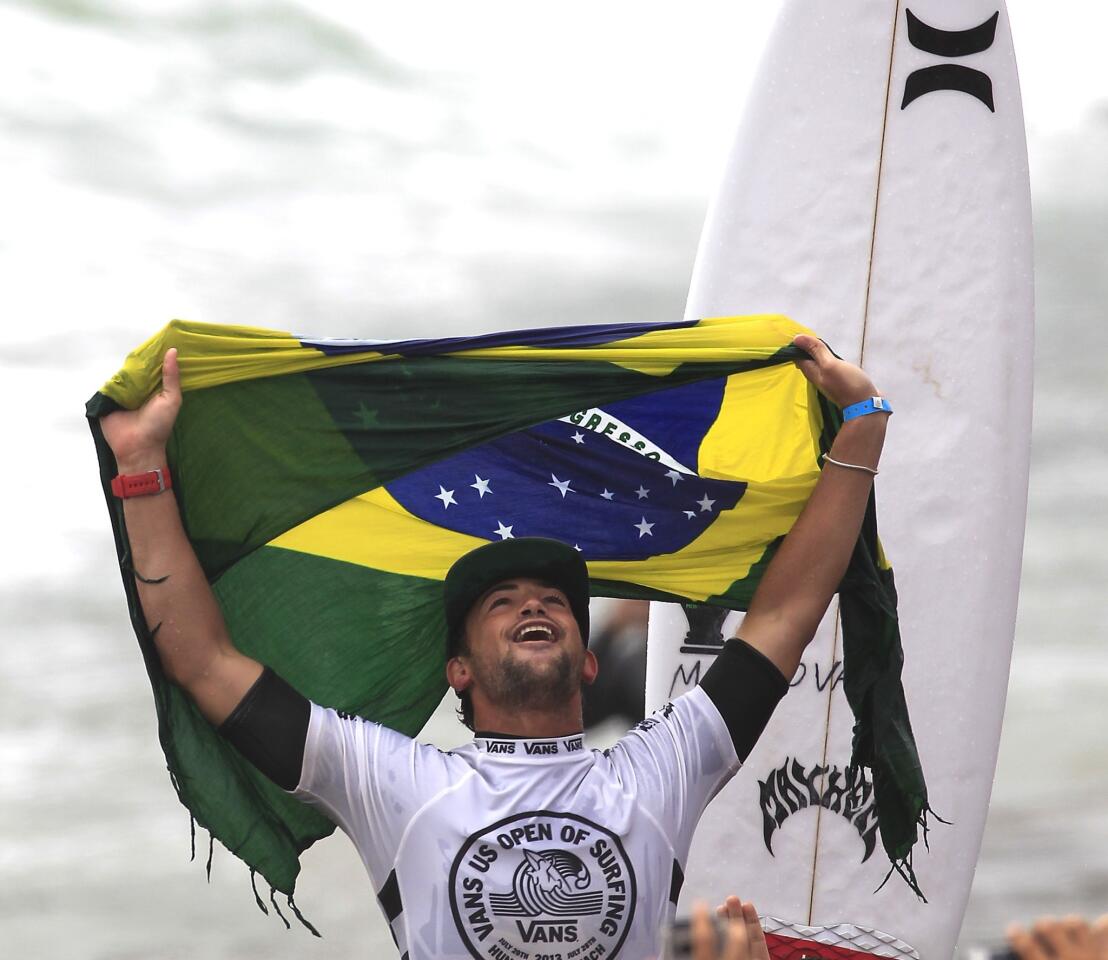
point(540, 558)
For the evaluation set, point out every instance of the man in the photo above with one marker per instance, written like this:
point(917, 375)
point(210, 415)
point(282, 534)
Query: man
point(521, 844)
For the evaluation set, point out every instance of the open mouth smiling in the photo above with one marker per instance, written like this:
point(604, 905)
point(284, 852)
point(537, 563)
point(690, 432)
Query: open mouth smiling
point(534, 631)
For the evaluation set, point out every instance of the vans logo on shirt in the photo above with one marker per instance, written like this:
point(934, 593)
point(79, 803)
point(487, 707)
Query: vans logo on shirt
point(532, 748)
point(542, 878)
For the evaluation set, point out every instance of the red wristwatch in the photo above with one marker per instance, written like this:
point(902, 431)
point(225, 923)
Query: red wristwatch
point(141, 484)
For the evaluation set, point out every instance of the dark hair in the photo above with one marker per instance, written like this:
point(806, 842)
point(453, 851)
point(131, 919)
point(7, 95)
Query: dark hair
point(456, 645)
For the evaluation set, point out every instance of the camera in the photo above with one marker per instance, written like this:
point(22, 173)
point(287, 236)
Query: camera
point(678, 942)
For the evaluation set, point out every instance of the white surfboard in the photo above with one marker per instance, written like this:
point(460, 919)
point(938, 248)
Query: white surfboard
point(878, 193)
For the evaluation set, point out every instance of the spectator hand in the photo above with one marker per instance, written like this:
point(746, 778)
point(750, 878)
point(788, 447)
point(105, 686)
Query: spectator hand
point(744, 939)
point(1071, 938)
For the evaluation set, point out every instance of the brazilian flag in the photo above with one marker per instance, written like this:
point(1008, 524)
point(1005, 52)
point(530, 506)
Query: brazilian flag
point(327, 486)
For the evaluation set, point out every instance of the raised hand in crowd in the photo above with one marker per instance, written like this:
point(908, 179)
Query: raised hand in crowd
point(743, 939)
point(1071, 938)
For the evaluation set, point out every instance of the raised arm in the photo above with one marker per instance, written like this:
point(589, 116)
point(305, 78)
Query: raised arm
point(177, 601)
point(805, 573)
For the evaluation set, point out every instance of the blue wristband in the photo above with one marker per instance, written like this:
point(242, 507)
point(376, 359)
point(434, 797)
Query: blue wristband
point(871, 405)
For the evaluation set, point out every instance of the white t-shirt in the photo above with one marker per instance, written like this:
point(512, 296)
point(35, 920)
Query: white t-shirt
point(512, 849)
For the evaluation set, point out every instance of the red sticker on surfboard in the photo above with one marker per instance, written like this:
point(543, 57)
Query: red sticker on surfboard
point(842, 941)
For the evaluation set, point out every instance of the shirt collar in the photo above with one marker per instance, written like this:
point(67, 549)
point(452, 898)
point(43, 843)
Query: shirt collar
point(506, 744)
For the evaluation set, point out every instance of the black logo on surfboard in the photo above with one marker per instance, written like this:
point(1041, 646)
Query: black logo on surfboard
point(950, 44)
point(791, 788)
point(705, 634)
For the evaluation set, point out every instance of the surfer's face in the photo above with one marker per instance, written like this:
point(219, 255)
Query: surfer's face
point(523, 645)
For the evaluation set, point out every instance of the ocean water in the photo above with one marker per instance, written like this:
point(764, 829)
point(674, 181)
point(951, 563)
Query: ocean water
point(347, 170)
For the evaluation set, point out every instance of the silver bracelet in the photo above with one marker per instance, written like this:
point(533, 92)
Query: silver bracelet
point(851, 466)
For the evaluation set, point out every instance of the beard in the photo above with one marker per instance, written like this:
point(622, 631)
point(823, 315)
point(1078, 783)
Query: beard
point(521, 683)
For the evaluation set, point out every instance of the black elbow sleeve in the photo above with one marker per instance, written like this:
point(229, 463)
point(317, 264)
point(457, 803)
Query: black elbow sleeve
point(269, 727)
point(745, 686)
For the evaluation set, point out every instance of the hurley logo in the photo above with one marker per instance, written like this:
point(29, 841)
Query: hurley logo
point(950, 44)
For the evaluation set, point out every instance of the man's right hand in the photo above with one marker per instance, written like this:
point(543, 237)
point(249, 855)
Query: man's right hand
point(181, 611)
point(138, 437)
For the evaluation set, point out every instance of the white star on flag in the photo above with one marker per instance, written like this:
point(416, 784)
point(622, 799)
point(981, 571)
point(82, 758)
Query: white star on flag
point(504, 532)
point(481, 486)
point(705, 504)
point(642, 492)
point(644, 528)
point(578, 438)
point(607, 494)
point(690, 513)
point(446, 496)
point(562, 485)
point(674, 476)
